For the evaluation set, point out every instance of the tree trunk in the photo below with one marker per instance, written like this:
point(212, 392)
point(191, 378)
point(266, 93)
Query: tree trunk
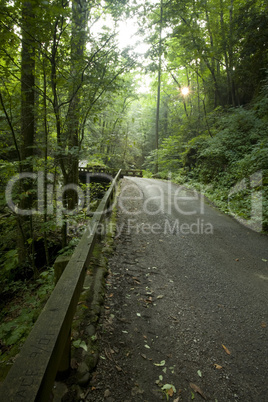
point(158, 86)
point(78, 42)
point(25, 242)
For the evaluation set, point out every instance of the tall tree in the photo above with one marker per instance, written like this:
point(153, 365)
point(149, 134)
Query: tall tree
point(77, 65)
point(28, 111)
point(158, 84)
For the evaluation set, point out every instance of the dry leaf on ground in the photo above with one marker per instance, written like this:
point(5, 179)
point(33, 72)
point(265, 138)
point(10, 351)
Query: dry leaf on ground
point(195, 388)
point(226, 350)
point(217, 366)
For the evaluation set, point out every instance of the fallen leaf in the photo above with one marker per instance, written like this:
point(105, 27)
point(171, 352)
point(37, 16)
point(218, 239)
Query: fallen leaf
point(226, 350)
point(169, 388)
point(171, 369)
point(199, 373)
point(118, 368)
point(237, 259)
point(80, 344)
point(217, 366)
point(144, 356)
point(138, 314)
point(264, 260)
point(162, 363)
point(195, 388)
point(147, 346)
point(177, 399)
point(173, 318)
point(263, 324)
point(111, 295)
point(170, 392)
point(160, 297)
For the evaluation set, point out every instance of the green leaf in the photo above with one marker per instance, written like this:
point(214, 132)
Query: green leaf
point(169, 386)
point(162, 363)
point(80, 344)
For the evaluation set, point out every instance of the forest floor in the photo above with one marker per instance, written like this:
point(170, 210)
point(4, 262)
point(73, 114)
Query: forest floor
point(185, 316)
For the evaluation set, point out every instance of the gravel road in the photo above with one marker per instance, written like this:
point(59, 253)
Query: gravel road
point(186, 308)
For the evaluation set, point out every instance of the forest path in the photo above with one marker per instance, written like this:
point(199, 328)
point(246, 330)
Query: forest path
point(186, 302)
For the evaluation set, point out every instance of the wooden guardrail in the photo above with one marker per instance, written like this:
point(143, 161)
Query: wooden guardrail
point(111, 172)
point(33, 373)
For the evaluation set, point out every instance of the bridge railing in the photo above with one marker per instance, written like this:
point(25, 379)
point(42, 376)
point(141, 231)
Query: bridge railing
point(111, 172)
point(33, 373)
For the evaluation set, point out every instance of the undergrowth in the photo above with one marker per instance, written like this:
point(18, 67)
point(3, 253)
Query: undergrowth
point(18, 316)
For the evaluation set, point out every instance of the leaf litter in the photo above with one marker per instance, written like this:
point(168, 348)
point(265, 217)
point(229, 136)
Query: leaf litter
point(197, 389)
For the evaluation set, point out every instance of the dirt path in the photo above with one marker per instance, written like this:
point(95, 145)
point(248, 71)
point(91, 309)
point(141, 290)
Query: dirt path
point(184, 311)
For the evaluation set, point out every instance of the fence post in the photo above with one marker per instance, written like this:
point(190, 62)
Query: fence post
point(59, 266)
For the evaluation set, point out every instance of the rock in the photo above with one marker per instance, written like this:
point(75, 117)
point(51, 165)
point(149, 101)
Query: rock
point(84, 380)
point(73, 394)
point(82, 369)
point(59, 390)
point(90, 330)
point(91, 360)
point(107, 393)
point(83, 375)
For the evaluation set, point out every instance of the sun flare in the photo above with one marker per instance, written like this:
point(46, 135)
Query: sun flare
point(185, 91)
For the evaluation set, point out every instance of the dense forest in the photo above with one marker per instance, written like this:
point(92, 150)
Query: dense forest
point(192, 108)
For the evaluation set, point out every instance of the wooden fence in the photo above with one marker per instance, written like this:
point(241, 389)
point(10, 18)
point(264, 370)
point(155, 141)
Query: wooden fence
point(33, 373)
point(111, 172)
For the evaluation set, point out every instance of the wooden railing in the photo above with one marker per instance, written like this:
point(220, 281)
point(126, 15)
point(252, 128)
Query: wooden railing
point(111, 172)
point(33, 373)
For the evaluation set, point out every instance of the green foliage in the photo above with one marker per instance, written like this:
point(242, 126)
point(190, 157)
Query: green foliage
point(19, 315)
point(238, 150)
